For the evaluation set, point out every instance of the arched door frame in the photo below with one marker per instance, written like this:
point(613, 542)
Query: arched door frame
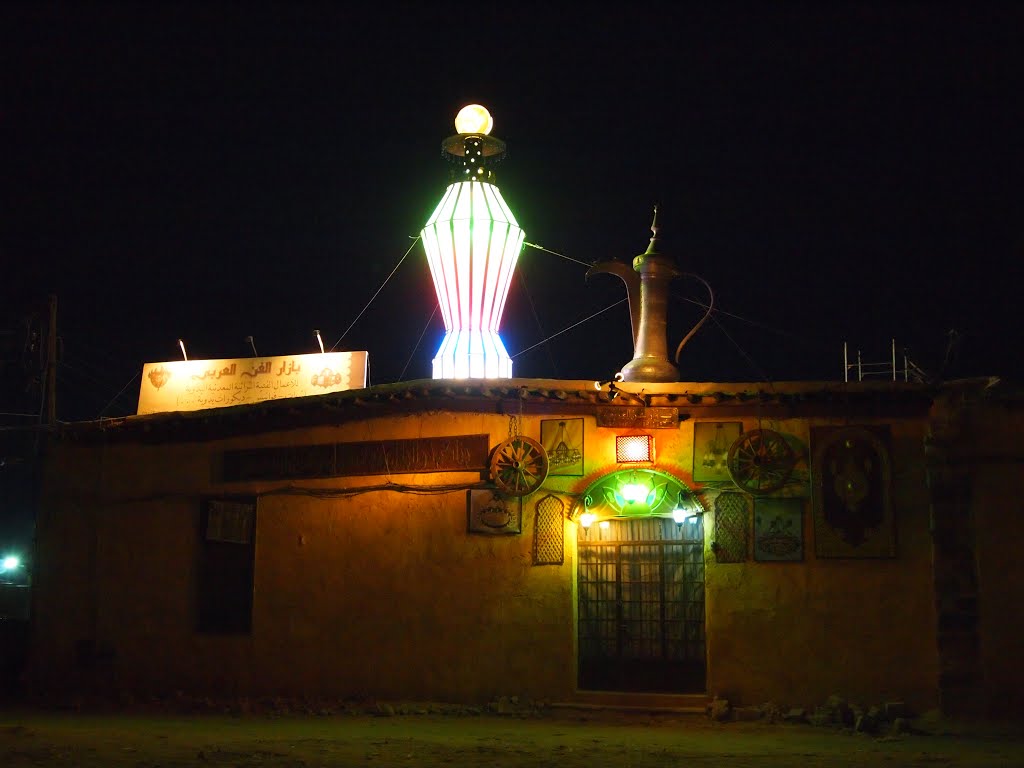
point(640, 584)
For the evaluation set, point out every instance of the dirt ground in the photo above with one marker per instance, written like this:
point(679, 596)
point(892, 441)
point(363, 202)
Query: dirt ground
point(562, 738)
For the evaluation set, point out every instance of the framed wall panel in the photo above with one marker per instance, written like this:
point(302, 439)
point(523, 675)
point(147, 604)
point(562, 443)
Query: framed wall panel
point(563, 441)
point(711, 443)
point(778, 529)
point(490, 513)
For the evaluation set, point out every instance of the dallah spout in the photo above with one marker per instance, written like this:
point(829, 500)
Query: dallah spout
point(632, 281)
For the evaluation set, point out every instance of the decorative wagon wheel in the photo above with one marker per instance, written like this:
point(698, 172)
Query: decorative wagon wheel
point(519, 466)
point(760, 461)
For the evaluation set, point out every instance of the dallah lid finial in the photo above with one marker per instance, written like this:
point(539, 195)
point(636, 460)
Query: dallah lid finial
point(654, 231)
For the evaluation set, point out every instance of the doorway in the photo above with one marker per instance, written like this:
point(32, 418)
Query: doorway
point(641, 606)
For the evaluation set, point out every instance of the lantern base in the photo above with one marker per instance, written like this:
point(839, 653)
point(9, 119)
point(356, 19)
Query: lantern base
point(472, 355)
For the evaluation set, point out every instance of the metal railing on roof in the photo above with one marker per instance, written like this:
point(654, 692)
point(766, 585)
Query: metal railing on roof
point(909, 372)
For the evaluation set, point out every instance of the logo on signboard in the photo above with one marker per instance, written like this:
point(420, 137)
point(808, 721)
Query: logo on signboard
point(159, 376)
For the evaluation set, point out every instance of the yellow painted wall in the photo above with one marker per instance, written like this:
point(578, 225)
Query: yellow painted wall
point(385, 595)
point(381, 594)
point(860, 628)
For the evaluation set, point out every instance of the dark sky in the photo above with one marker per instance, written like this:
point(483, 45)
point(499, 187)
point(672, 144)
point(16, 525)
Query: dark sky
point(836, 171)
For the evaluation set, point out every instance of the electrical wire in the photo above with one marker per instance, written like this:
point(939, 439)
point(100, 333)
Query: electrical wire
point(536, 318)
point(324, 493)
point(401, 376)
point(709, 308)
point(743, 353)
point(115, 397)
point(87, 366)
point(701, 304)
point(566, 330)
point(415, 240)
point(755, 323)
point(64, 368)
point(560, 255)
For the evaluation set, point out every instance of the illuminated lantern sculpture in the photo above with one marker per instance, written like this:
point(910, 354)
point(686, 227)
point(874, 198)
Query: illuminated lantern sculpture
point(472, 242)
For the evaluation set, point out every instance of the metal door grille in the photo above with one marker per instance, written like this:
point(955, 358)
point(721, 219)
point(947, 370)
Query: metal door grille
point(641, 606)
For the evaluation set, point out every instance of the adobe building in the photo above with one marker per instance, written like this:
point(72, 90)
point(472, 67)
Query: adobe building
point(424, 541)
point(476, 535)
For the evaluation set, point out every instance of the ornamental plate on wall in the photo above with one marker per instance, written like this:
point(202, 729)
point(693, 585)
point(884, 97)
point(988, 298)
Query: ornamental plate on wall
point(491, 513)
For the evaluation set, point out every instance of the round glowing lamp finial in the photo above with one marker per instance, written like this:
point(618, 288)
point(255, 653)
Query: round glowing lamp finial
point(473, 118)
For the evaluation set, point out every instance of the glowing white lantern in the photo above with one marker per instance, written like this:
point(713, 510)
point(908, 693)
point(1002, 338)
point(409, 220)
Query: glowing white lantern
point(472, 242)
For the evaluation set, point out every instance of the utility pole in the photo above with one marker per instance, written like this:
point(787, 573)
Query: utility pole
point(51, 364)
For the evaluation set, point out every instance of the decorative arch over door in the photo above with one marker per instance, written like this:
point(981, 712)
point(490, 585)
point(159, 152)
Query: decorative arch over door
point(640, 578)
point(637, 493)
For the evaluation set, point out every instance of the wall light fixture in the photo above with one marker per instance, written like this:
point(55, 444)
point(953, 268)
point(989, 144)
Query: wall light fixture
point(634, 449)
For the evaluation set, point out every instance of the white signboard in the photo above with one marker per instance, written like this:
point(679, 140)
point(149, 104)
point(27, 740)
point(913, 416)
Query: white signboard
point(191, 385)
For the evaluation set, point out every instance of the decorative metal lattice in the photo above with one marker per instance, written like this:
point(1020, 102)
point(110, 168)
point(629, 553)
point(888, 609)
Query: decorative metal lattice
point(633, 449)
point(732, 526)
point(549, 532)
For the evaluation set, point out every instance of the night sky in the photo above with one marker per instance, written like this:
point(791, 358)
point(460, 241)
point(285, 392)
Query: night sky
point(836, 172)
